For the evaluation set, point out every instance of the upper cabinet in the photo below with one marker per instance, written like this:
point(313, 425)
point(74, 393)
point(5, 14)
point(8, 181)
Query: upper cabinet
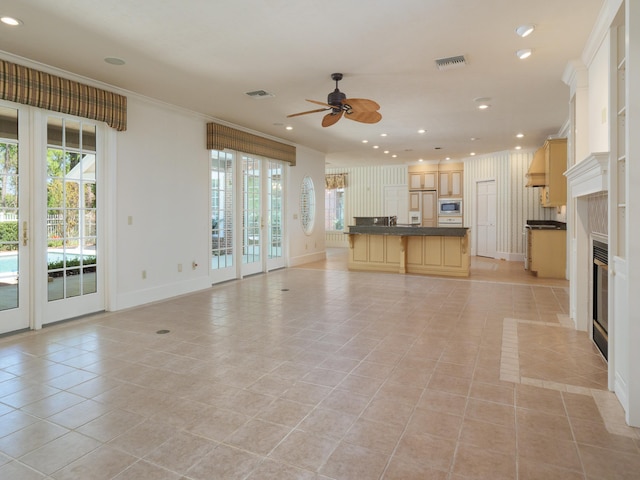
point(450, 180)
point(554, 192)
point(423, 177)
point(547, 171)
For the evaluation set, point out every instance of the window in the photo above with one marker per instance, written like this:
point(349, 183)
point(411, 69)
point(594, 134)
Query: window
point(334, 209)
point(307, 205)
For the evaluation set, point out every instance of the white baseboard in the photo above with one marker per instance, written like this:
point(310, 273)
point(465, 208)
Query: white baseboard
point(155, 294)
point(308, 258)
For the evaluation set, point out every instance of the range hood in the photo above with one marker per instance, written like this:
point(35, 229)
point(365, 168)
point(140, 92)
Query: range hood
point(536, 173)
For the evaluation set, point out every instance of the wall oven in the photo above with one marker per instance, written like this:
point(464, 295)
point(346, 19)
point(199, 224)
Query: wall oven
point(449, 207)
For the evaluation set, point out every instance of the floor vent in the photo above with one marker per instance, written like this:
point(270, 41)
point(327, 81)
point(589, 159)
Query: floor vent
point(260, 94)
point(451, 62)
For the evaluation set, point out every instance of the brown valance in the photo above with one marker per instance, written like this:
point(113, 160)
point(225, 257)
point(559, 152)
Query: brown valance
point(220, 137)
point(39, 89)
point(335, 180)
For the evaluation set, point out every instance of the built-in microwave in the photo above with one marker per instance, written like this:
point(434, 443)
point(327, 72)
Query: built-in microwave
point(449, 206)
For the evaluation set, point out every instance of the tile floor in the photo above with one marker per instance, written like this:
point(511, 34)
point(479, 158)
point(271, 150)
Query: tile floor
point(319, 373)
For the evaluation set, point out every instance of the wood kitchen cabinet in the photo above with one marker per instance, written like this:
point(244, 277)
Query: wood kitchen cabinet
point(429, 202)
point(425, 202)
point(423, 177)
point(450, 180)
point(547, 252)
point(554, 191)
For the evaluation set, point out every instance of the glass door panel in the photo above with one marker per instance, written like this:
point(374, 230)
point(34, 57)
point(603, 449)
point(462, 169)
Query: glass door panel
point(251, 216)
point(275, 215)
point(222, 216)
point(14, 224)
point(72, 217)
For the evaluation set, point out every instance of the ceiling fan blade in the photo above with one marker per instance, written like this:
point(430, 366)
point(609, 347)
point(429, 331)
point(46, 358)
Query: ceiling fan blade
point(331, 118)
point(361, 104)
point(321, 103)
point(364, 117)
point(310, 111)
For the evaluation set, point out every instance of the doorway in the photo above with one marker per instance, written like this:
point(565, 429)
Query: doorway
point(247, 215)
point(486, 218)
point(50, 188)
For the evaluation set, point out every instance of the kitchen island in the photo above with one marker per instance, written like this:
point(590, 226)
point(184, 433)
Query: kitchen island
point(409, 249)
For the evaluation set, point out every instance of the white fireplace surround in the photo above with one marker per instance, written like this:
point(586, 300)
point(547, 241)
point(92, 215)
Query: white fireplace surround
point(589, 176)
point(585, 178)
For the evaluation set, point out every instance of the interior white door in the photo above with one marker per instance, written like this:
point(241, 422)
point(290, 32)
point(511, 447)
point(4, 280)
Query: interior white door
point(486, 218)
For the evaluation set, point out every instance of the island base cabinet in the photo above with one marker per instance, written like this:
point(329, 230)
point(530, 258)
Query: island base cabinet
point(425, 255)
point(375, 252)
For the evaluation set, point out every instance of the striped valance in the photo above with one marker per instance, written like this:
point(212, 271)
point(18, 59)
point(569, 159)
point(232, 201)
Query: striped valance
point(335, 180)
point(220, 137)
point(39, 89)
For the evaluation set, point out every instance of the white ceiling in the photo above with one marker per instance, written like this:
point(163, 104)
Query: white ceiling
point(205, 55)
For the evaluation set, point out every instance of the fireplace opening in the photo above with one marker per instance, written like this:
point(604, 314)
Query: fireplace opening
point(600, 296)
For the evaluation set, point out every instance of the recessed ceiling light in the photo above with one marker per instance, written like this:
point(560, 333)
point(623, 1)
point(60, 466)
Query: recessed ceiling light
point(473, 139)
point(524, 53)
point(114, 61)
point(383, 134)
point(289, 127)
point(421, 160)
point(365, 141)
point(525, 30)
point(11, 21)
point(518, 147)
point(376, 146)
point(520, 135)
point(483, 102)
point(422, 130)
point(472, 153)
point(386, 151)
point(394, 156)
point(447, 158)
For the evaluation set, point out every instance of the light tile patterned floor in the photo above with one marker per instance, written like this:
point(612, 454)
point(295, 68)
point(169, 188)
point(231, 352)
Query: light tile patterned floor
point(319, 373)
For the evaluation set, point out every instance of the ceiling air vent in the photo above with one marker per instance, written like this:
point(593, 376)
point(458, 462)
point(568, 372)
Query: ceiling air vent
point(451, 62)
point(260, 94)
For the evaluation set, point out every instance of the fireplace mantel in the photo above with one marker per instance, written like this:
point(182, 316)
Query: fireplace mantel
point(590, 175)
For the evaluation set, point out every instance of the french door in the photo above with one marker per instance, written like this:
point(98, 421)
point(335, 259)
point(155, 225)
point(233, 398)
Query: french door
point(275, 215)
point(247, 220)
point(50, 267)
point(252, 217)
point(14, 223)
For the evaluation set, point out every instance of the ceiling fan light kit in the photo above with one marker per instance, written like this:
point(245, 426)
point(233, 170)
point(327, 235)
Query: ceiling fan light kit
point(359, 109)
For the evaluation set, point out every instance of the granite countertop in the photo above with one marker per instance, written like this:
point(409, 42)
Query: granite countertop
point(407, 231)
point(546, 225)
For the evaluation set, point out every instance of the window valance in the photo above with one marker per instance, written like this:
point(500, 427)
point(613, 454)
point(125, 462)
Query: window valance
point(220, 137)
point(39, 89)
point(335, 180)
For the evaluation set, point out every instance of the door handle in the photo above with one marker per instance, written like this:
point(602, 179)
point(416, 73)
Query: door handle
point(24, 234)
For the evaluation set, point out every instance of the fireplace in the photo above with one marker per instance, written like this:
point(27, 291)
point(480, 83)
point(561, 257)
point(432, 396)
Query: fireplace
point(600, 294)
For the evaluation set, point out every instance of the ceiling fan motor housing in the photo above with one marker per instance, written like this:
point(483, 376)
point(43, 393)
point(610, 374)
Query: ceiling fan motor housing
point(335, 99)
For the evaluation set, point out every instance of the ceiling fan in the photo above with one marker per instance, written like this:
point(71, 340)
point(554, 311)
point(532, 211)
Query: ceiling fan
point(358, 109)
